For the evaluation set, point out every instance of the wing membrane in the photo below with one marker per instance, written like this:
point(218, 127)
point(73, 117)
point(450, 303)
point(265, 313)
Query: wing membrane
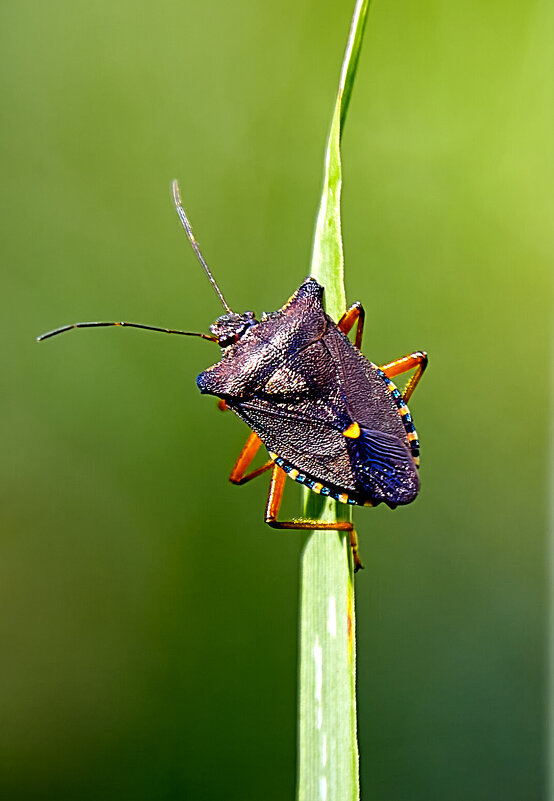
point(384, 467)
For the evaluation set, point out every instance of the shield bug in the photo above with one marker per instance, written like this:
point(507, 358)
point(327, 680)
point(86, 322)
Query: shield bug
point(329, 418)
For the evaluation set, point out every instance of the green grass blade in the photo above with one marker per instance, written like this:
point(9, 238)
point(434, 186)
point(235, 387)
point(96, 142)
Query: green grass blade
point(327, 265)
point(328, 746)
point(328, 750)
point(351, 57)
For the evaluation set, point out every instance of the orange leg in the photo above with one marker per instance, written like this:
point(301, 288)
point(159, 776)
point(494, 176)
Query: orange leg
point(398, 366)
point(274, 499)
point(348, 320)
point(246, 456)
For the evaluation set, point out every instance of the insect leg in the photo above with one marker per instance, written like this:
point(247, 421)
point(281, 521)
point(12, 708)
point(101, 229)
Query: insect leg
point(278, 478)
point(355, 313)
point(246, 456)
point(398, 366)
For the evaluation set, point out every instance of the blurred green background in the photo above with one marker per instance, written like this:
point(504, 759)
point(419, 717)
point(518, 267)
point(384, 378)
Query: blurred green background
point(148, 618)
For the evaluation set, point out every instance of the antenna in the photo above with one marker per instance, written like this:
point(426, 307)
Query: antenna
point(65, 328)
point(186, 225)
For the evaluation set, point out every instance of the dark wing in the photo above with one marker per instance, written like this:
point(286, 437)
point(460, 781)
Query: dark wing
point(384, 467)
point(374, 466)
point(310, 443)
point(367, 397)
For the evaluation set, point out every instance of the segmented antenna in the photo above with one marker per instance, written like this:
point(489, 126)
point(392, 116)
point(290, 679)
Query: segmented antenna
point(65, 328)
point(186, 225)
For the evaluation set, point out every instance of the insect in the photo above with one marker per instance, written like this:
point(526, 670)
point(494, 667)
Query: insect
point(329, 418)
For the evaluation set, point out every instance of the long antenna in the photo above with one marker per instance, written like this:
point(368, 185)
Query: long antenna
point(186, 225)
point(130, 325)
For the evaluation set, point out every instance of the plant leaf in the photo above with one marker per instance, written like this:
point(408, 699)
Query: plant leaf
point(328, 746)
point(327, 265)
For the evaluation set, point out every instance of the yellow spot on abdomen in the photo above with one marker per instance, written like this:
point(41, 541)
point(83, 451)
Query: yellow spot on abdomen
point(353, 431)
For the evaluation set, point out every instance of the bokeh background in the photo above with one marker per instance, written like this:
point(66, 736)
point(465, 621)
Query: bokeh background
point(148, 618)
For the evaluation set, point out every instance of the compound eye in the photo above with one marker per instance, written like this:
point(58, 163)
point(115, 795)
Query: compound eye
point(229, 340)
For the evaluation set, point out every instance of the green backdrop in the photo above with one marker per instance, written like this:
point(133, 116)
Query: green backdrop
point(148, 617)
